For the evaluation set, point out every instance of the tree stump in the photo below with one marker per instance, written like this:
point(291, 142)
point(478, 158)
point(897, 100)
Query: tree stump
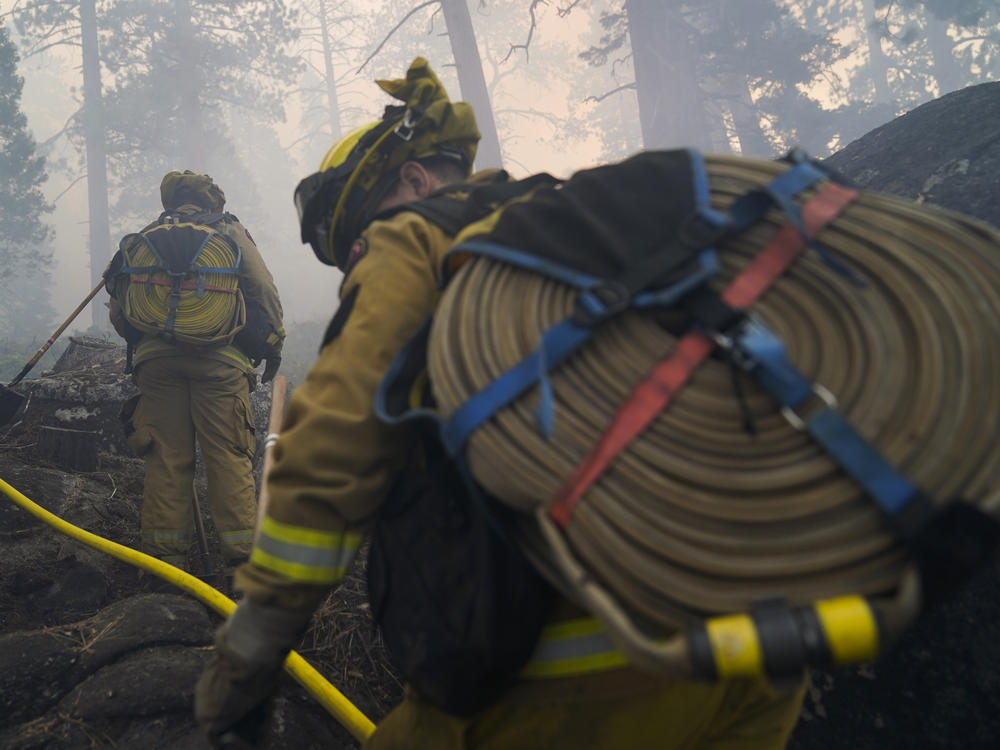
point(74, 450)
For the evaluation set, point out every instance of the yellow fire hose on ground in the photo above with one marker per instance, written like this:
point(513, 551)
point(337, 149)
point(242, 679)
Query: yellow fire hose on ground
point(359, 725)
point(305, 674)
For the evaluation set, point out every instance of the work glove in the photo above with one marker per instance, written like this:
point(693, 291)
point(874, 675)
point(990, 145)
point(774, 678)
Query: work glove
point(270, 369)
point(250, 649)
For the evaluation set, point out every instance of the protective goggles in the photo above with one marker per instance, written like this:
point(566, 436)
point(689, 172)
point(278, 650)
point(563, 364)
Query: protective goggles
point(320, 198)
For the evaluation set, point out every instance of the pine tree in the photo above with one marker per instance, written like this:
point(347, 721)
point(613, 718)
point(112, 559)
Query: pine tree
point(24, 254)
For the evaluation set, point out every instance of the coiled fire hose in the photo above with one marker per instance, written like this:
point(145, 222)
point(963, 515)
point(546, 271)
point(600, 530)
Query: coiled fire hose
point(305, 674)
point(204, 318)
point(697, 521)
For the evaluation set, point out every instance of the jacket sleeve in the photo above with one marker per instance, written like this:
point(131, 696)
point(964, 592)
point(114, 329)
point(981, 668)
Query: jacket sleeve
point(257, 283)
point(117, 316)
point(334, 460)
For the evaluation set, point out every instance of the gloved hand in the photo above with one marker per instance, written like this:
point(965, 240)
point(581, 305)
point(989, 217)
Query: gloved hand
point(249, 651)
point(270, 369)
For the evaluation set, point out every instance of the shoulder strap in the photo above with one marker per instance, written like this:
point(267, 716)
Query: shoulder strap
point(454, 207)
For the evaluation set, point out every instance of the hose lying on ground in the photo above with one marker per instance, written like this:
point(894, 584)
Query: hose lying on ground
point(697, 517)
point(328, 696)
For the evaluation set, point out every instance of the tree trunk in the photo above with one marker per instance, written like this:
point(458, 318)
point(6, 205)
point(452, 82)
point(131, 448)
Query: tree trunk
point(97, 167)
point(331, 82)
point(471, 80)
point(189, 75)
point(948, 73)
point(746, 118)
point(736, 90)
point(671, 106)
point(878, 63)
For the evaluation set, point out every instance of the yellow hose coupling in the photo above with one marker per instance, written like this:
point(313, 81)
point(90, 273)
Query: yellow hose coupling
point(779, 641)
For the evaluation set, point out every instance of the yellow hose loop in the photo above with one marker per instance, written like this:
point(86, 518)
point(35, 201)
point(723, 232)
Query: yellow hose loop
point(305, 674)
point(697, 518)
point(209, 319)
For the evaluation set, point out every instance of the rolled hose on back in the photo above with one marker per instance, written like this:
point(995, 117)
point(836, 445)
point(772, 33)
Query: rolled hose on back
point(201, 318)
point(328, 696)
point(698, 519)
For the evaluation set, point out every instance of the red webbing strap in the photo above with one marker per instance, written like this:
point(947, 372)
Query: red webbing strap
point(140, 279)
point(668, 376)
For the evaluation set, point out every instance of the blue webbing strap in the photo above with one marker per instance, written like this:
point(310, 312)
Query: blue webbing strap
point(708, 266)
point(399, 362)
point(765, 358)
point(748, 208)
point(527, 261)
point(890, 489)
point(557, 343)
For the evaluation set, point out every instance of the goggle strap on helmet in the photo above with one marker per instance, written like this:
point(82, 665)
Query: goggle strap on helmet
point(365, 156)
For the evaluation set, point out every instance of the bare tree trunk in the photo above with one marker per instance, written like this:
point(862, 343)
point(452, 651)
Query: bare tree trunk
point(671, 106)
point(331, 82)
point(736, 90)
point(878, 63)
point(746, 118)
point(471, 79)
point(97, 166)
point(189, 74)
point(947, 71)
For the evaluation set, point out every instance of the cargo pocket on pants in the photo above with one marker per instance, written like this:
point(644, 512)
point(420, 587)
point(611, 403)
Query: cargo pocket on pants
point(245, 439)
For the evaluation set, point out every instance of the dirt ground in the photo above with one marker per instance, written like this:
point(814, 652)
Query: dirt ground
point(88, 657)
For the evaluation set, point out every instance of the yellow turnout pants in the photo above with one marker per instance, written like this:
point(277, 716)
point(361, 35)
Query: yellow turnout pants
point(619, 710)
point(180, 398)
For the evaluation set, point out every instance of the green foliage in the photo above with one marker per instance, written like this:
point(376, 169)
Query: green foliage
point(15, 353)
point(24, 254)
point(744, 49)
point(175, 75)
point(961, 12)
point(180, 74)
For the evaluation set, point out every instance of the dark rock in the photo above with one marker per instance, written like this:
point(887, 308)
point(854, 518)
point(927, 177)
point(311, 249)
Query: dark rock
point(38, 667)
point(148, 682)
point(81, 591)
point(939, 687)
point(945, 152)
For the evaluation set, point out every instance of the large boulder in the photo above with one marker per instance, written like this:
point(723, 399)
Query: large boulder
point(945, 152)
point(939, 686)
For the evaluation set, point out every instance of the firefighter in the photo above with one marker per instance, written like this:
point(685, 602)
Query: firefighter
point(335, 462)
point(191, 391)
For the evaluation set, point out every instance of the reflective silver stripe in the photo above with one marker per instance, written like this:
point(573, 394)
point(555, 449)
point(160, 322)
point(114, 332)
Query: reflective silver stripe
point(236, 537)
point(572, 648)
point(165, 535)
point(313, 557)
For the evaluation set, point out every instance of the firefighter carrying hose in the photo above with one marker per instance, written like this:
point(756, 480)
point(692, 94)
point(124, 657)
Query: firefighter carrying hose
point(336, 463)
point(193, 298)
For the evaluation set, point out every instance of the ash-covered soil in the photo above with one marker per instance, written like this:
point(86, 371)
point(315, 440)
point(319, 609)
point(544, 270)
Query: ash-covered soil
point(89, 657)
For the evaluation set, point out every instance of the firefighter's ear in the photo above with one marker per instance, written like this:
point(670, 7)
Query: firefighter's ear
point(415, 178)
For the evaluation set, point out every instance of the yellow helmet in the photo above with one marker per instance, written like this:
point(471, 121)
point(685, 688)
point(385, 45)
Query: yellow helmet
point(340, 150)
point(334, 202)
